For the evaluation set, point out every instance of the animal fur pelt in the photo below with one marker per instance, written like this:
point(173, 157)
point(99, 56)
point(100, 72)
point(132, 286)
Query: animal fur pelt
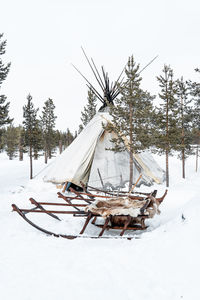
point(125, 206)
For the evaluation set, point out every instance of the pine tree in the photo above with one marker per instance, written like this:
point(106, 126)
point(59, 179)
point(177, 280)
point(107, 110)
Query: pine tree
point(30, 123)
point(58, 140)
point(68, 138)
point(2, 141)
point(185, 117)
point(194, 88)
point(22, 143)
point(4, 69)
point(195, 93)
point(80, 128)
point(11, 140)
point(48, 119)
point(131, 116)
point(37, 140)
point(4, 110)
point(167, 117)
point(63, 139)
point(89, 110)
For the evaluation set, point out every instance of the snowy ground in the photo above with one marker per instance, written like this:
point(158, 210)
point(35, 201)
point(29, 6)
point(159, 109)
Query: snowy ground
point(161, 263)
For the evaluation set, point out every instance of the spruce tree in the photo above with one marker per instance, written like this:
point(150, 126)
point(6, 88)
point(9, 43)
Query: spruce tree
point(131, 116)
point(58, 140)
point(4, 111)
point(11, 140)
point(30, 123)
point(167, 117)
point(2, 141)
point(185, 118)
point(4, 69)
point(37, 140)
point(63, 139)
point(48, 119)
point(89, 110)
point(194, 88)
point(80, 128)
point(68, 138)
point(22, 143)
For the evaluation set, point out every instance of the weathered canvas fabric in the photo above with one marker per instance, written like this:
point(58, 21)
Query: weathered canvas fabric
point(87, 160)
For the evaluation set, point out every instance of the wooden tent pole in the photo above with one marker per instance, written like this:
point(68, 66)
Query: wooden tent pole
point(135, 184)
point(100, 177)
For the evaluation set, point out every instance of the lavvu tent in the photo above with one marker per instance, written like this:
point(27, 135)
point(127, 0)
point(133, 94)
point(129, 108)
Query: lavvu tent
point(87, 160)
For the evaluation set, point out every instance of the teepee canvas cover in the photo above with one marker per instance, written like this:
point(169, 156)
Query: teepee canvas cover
point(87, 160)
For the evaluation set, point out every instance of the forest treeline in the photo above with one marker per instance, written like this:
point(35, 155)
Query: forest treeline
point(172, 125)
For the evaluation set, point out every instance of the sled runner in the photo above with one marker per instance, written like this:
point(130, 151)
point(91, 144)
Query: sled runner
point(120, 212)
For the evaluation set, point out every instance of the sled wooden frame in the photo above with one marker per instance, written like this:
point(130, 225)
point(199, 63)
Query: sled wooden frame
point(90, 217)
point(114, 193)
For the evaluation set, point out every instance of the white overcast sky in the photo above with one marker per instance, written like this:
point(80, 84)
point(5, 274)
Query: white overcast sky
point(45, 36)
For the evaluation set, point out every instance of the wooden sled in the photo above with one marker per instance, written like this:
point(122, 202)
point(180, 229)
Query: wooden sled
point(84, 208)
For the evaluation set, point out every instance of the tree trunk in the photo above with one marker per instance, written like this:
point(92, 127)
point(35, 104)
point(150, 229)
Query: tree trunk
point(167, 167)
point(131, 147)
point(35, 155)
point(183, 163)
point(45, 156)
point(167, 144)
point(49, 154)
point(60, 146)
point(131, 170)
point(21, 155)
point(197, 155)
point(183, 140)
point(31, 163)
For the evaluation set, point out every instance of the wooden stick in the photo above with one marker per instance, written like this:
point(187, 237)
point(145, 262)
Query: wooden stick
point(135, 184)
point(148, 64)
point(104, 226)
point(126, 225)
point(65, 186)
point(99, 82)
point(68, 198)
point(115, 193)
point(100, 177)
point(62, 204)
point(95, 91)
point(103, 197)
point(86, 223)
point(78, 194)
point(38, 205)
point(97, 73)
point(53, 211)
point(85, 190)
point(99, 190)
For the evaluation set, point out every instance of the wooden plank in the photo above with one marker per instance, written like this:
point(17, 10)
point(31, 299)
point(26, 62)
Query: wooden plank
point(63, 204)
point(53, 211)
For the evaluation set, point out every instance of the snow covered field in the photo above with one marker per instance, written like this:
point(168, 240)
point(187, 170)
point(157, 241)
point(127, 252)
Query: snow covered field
point(161, 263)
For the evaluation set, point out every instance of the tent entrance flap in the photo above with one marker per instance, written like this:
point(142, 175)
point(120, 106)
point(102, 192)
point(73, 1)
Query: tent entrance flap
point(83, 172)
point(75, 162)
